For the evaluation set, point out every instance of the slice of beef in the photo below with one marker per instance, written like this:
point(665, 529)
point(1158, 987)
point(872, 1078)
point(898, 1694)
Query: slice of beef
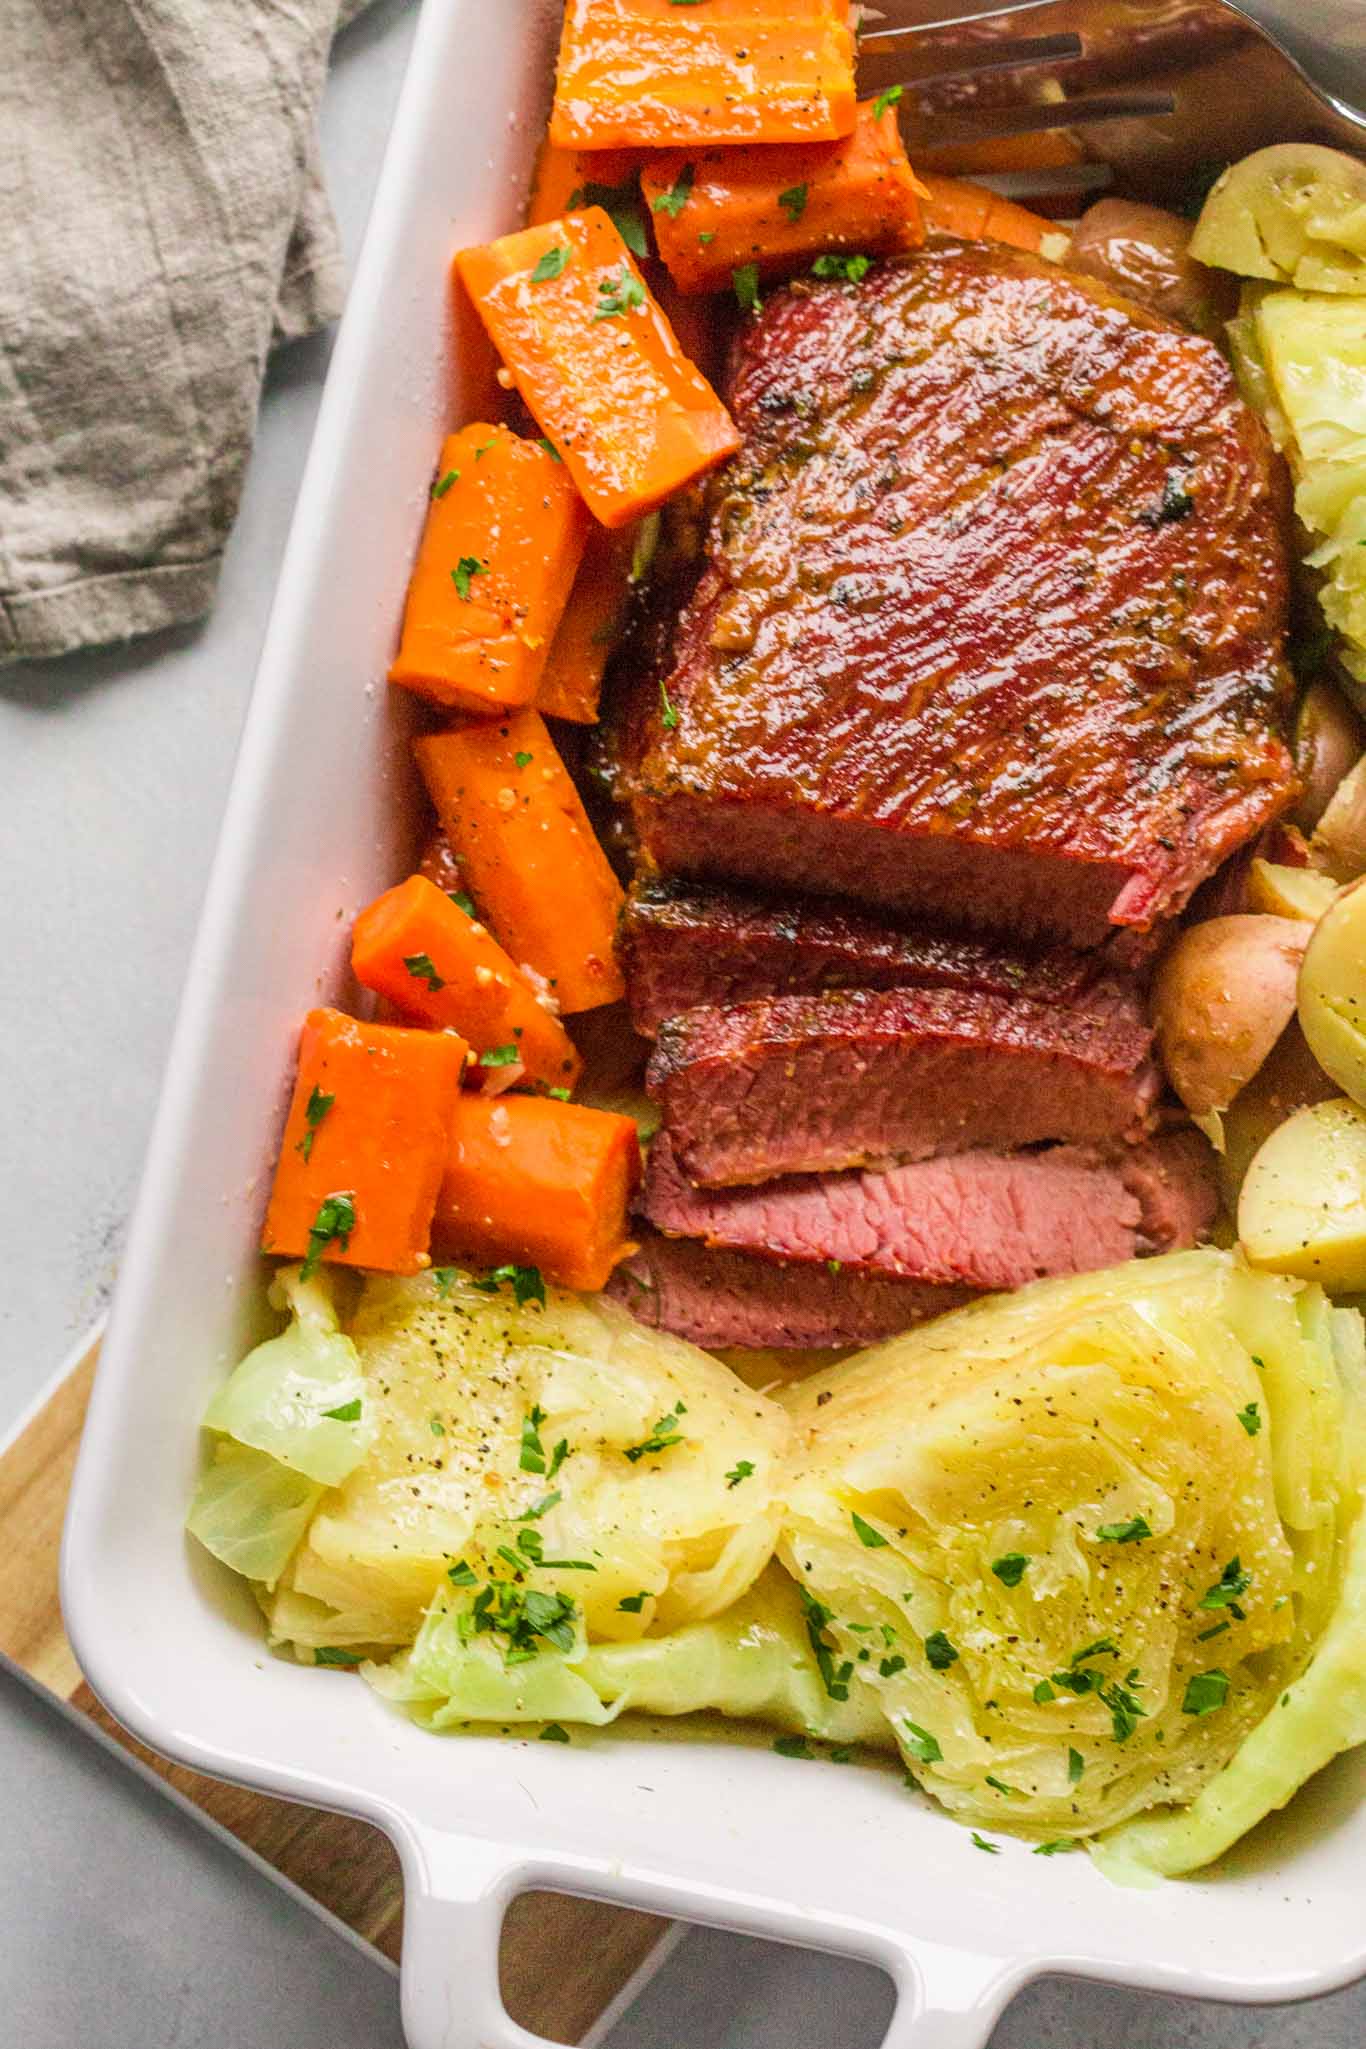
point(720, 1298)
point(991, 626)
point(806, 1084)
point(979, 1219)
point(683, 945)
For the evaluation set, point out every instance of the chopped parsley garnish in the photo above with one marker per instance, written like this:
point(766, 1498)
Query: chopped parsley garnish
point(315, 1109)
point(885, 100)
point(463, 1575)
point(1232, 1583)
point(1011, 1569)
point(1057, 1848)
point(419, 966)
point(531, 1546)
point(668, 715)
point(1076, 1765)
point(664, 1435)
point(923, 1747)
point(553, 1733)
point(742, 1470)
point(889, 1667)
point(469, 566)
point(793, 201)
point(436, 1426)
point(1251, 1418)
point(444, 1277)
point(443, 484)
point(706, 237)
point(1216, 1629)
point(332, 1656)
point(333, 1225)
point(521, 1615)
point(522, 758)
point(561, 1095)
point(541, 1507)
point(676, 198)
point(746, 283)
point(544, 441)
point(620, 293)
point(1205, 1692)
point(939, 1652)
point(792, 1746)
point(851, 268)
point(461, 901)
point(1132, 1532)
point(1000, 1786)
point(620, 204)
point(532, 1457)
point(1102, 1647)
point(631, 1604)
point(500, 1056)
point(1044, 1692)
point(1126, 1711)
point(482, 450)
point(349, 1412)
point(835, 1678)
point(525, 1281)
point(866, 1534)
point(981, 1843)
point(552, 265)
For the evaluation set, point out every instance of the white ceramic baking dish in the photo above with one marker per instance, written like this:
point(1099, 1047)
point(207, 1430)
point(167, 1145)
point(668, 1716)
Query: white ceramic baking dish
point(838, 1859)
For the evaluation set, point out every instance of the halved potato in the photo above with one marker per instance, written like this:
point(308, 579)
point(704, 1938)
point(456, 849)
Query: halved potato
point(1303, 1206)
point(1289, 1079)
point(1223, 995)
point(1302, 893)
point(1328, 743)
point(1332, 996)
point(1294, 214)
point(1339, 841)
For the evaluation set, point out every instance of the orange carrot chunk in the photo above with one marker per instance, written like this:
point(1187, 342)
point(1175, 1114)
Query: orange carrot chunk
point(569, 178)
point(666, 73)
point(571, 683)
point(504, 537)
point(511, 813)
point(366, 1141)
point(597, 363)
point(441, 968)
point(718, 210)
point(534, 1182)
point(953, 206)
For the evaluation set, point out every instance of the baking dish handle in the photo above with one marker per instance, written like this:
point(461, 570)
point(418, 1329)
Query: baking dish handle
point(456, 1892)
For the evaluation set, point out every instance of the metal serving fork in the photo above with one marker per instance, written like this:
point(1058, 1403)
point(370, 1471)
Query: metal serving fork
point(1161, 89)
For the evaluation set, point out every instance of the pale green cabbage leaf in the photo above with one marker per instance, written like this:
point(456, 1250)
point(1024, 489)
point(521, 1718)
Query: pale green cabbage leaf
point(286, 1395)
point(251, 1512)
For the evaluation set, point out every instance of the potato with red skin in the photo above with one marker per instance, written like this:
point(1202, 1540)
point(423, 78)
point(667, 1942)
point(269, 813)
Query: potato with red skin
point(1329, 742)
point(1339, 842)
point(1144, 252)
point(1224, 993)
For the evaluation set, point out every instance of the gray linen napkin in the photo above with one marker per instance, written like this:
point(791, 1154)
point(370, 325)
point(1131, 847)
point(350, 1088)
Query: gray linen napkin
point(162, 222)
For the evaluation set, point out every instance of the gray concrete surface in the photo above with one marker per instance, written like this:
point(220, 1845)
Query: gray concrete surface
point(121, 1927)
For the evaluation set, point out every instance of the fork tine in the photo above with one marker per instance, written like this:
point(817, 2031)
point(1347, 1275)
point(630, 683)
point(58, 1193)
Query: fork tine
point(975, 58)
point(940, 131)
point(872, 40)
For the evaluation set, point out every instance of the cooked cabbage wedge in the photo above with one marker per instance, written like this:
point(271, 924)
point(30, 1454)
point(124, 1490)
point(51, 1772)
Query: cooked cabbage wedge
point(552, 1451)
point(1097, 1529)
point(754, 1662)
point(1301, 362)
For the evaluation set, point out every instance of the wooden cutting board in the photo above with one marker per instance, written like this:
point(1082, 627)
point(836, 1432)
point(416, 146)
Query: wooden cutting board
point(346, 1866)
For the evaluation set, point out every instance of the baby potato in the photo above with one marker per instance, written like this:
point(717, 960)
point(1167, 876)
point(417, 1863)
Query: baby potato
point(1144, 251)
point(1223, 995)
point(1288, 1080)
point(1294, 214)
point(1339, 841)
point(1328, 743)
point(1303, 893)
point(1332, 995)
point(1303, 1206)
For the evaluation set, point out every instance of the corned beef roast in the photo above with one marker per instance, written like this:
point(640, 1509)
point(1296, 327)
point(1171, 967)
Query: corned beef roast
point(801, 1084)
point(990, 625)
point(684, 945)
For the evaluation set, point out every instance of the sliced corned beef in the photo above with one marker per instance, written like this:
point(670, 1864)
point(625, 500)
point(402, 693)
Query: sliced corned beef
point(805, 1084)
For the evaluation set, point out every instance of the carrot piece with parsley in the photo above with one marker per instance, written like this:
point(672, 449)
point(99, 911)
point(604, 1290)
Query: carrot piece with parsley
point(571, 683)
point(954, 206)
point(504, 537)
point(511, 813)
point(566, 179)
point(535, 1182)
point(656, 74)
point(720, 209)
point(442, 968)
point(597, 363)
point(365, 1146)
